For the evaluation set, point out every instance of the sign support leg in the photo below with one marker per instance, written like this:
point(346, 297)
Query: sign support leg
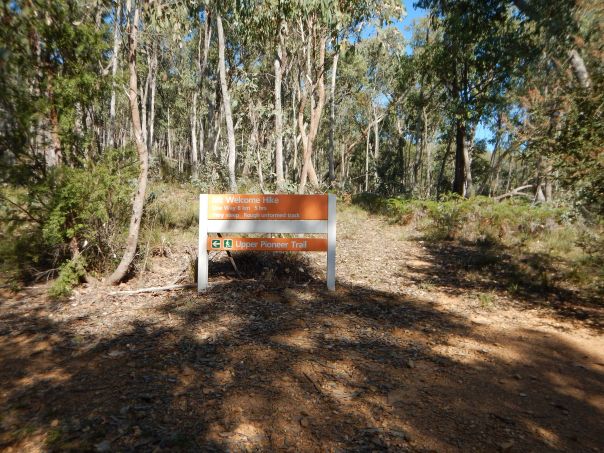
point(202, 253)
point(331, 242)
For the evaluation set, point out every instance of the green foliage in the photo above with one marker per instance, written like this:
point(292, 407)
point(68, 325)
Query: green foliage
point(91, 204)
point(49, 70)
point(478, 219)
point(544, 239)
point(171, 206)
point(70, 275)
point(84, 208)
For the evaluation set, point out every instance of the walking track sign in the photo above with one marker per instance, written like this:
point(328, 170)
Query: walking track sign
point(252, 213)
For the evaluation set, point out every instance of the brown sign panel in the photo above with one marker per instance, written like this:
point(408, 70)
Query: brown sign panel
point(267, 207)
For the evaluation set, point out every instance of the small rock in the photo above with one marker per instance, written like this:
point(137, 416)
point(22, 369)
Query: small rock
point(103, 447)
point(304, 422)
point(410, 363)
point(517, 376)
point(506, 446)
point(54, 423)
point(401, 434)
point(396, 396)
point(523, 395)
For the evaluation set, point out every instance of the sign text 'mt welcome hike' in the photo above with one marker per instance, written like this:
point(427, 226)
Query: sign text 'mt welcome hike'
point(267, 207)
point(252, 213)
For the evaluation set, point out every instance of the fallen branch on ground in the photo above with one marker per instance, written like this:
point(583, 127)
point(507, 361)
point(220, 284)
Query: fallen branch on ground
point(152, 289)
point(516, 191)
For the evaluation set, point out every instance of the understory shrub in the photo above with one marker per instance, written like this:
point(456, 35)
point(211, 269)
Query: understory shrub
point(540, 236)
point(478, 219)
point(70, 274)
point(72, 212)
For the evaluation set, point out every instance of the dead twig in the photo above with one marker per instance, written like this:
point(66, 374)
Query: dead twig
point(313, 383)
point(152, 289)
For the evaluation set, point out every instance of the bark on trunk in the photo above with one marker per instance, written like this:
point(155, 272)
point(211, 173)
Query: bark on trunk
point(152, 106)
point(194, 131)
point(467, 162)
point(442, 166)
point(143, 156)
point(376, 147)
point(579, 68)
point(114, 64)
point(226, 102)
point(316, 110)
point(279, 113)
point(332, 116)
point(367, 161)
point(460, 141)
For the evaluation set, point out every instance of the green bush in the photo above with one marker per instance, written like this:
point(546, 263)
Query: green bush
point(86, 207)
point(478, 219)
point(70, 275)
point(541, 236)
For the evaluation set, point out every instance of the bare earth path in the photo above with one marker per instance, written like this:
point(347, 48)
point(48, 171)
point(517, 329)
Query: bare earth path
point(422, 347)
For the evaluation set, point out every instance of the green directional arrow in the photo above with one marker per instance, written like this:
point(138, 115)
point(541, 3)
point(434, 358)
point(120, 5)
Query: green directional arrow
point(215, 243)
point(228, 243)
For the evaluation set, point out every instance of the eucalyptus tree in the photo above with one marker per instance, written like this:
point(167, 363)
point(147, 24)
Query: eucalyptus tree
point(141, 147)
point(480, 45)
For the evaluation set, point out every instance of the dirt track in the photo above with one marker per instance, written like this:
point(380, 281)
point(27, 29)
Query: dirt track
point(422, 347)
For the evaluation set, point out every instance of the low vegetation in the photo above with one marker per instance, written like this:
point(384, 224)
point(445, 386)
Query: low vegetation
point(548, 243)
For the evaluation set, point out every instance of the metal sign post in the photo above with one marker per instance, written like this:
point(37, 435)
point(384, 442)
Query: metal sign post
point(253, 213)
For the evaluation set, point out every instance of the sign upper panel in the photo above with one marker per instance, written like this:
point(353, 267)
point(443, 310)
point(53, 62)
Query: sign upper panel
point(267, 207)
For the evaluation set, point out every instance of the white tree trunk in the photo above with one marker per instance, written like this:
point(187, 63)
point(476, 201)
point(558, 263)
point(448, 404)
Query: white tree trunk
point(143, 156)
point(332, 117)
point(279, 114)
point(114, 64)
point(226, 102)
point(194, 130)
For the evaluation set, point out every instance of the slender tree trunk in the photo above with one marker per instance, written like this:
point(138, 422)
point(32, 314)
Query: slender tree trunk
point(460, 142)
point(367, 161)
point(279, 113)
point(202, 65)
point(194, 131)
point(153, 83)
point(294, 132)
point(332, 115)
point(442, 166)
point(143, 156)
point(114, 65)
point(467, 162)
point(54, 154)
point(376, 146)
point(579, 68)
point(169, 138)
point(316, 110)
point(145, 98)
point(226, 102)
point(548, 175)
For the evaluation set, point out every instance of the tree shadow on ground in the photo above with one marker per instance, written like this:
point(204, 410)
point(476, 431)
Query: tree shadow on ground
point(245, 367)
point(460, 268)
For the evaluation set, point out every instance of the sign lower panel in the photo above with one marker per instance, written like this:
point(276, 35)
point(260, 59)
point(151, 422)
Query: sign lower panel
point(268, 244)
